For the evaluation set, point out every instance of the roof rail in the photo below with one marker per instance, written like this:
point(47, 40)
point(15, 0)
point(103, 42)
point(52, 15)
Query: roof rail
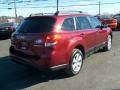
point(57, 13)
point(67, 12)
point(42, 14)
point(36, 14)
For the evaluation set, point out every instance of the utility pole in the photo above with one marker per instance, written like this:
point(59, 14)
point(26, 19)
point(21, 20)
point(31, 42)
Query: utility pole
point(15, 8)
point(57, 5)
point(99, 7)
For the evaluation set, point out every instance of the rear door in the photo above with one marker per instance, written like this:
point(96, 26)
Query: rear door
point(86, 32)
point(101, 34)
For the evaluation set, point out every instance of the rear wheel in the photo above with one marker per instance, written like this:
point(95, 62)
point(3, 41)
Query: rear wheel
point(109, 43)
point(75, 63)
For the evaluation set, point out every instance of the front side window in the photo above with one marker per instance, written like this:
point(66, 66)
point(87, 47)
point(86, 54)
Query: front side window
point(82, 23)
point(94, 22)
point(68, 24)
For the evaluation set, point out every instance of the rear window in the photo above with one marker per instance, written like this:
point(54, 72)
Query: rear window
point(36, 25)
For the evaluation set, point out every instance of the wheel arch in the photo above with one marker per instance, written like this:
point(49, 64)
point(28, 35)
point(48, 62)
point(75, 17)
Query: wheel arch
point(80, 47)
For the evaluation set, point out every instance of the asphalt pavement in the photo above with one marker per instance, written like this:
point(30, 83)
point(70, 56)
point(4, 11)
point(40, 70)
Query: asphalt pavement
point(100, 71)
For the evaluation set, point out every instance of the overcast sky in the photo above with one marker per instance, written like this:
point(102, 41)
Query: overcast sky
point(26, 7)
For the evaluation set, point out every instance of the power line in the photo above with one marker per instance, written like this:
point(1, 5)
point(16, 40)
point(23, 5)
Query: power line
point(55, 6)
point(112, 3)
point(78, 5)
point(8, 3)
point(65, 5)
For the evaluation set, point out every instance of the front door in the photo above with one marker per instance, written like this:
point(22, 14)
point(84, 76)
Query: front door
point(101, 34)
point(86, 32)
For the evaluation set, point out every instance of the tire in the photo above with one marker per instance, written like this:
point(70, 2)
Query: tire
point(75, 63)
point(109, 43)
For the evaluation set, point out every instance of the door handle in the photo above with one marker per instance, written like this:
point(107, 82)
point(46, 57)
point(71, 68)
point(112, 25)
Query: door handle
point(82, 34)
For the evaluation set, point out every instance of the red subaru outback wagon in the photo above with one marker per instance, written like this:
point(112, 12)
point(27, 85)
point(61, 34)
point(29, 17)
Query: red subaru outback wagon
point(59, 41)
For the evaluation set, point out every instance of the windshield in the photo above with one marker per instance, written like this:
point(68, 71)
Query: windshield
point(36, 25)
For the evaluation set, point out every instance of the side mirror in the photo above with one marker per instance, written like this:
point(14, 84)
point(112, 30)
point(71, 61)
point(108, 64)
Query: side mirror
point(102, 26)
point(105, 25)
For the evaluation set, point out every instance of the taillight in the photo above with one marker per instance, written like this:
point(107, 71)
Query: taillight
point(52, 40)
point(49, 40)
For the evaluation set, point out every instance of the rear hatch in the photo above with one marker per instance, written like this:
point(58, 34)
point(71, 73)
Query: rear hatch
point(30, 35)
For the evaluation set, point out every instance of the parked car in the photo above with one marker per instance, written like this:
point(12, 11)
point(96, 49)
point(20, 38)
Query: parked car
point(60, 41)
point(118, 21)
point(6, 29)
point(108, 20)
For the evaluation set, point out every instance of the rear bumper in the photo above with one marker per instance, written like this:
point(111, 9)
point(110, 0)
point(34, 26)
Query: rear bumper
point(27, 62)
point(35, 61)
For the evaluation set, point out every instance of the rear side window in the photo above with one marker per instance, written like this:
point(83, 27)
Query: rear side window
point(82, 23)
point(94, 22)
point(68, 24)
point(36, 25)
